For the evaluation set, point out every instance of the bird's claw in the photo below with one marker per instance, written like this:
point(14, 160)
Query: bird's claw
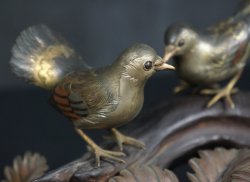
point(122, 139)
point(225, 92)
point(108, 154)
point(220, 93)
point(216, 91)
point(183, 86)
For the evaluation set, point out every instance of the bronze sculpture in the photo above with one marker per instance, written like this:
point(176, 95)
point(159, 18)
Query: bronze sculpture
point(107, 97)
point(206, 58)
point(169, 131)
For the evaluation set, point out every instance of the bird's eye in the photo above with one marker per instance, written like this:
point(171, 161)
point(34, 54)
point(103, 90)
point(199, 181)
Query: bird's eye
point(148, 65)
point(181, 42)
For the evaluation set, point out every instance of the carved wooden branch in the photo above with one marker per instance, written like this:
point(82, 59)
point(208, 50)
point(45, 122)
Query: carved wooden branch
point(170, 130)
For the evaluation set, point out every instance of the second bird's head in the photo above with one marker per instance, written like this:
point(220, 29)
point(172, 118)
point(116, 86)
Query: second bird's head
point(139, 61)
point(179, 38)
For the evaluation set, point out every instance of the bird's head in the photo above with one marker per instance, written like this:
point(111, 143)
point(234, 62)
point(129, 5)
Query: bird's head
point(139, 62)
point(178, 39)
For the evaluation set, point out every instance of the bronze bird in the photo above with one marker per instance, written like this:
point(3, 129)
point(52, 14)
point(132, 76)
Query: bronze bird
point(107, 97)
point(206, 58)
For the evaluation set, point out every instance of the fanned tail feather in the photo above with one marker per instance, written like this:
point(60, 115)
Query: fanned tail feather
point(244, 10)
point(43, 58)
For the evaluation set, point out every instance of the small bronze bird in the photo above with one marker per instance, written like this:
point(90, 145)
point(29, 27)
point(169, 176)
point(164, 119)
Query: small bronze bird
point(107, 97)
point(206, 58)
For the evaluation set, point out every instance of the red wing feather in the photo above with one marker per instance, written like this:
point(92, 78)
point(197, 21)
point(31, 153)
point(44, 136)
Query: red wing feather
point(72, 109)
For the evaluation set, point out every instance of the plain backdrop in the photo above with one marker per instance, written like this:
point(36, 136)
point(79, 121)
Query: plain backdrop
point(99, 31)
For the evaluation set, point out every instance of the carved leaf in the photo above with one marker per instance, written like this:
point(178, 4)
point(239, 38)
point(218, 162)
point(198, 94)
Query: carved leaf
point(240, 168)
point(144, 174)
point(26, 169)
point(211, 164)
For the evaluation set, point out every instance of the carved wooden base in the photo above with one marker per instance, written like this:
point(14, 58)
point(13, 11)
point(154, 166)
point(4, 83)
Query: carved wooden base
point(169, 131)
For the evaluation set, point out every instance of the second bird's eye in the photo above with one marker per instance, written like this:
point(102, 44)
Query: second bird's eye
point(181, 43)
point(148, 65)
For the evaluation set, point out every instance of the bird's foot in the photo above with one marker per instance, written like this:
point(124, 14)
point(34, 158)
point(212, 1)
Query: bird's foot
point(101, 153)
point(220, 93)
point(225, 92)
point(122, 139)
point(98, 151)
point(215, 91)
point(183, 86)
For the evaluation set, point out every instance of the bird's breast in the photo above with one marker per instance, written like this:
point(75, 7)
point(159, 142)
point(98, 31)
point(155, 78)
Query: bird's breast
point(130, 104)
point(205, 65)
point(191, 68)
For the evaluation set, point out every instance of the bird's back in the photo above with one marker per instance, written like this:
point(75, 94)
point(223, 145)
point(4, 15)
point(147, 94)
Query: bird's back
point(242, 15)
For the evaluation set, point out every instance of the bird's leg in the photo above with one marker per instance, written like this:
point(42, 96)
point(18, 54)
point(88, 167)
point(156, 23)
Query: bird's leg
point(183, 86)
point(122, 139)
point(211, 89)
point(99, 152)
point(214, 89)
point(225, 92)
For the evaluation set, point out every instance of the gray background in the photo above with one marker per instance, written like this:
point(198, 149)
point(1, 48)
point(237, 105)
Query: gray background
point(99, 30)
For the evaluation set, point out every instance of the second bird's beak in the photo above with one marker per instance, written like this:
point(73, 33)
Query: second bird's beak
point(169, 52)
point(162, 65)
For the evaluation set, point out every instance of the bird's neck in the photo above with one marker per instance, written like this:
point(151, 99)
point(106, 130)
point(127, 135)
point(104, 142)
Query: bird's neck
point(244, 10)
point(118, 77)
point(205, 46)
point(128, 90)
point(129, 73)
point(202, 44)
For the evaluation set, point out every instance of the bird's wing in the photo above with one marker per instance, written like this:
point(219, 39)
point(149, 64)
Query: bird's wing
point(227, 29)
point(231, 44)
point(81, 94)
point(221, 27)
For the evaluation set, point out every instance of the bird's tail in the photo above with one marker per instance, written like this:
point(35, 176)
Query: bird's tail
point(43, 58)
point(244, 10)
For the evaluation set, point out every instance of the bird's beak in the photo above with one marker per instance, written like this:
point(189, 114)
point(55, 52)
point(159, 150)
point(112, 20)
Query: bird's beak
point(162, 65)
point(169, 52)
